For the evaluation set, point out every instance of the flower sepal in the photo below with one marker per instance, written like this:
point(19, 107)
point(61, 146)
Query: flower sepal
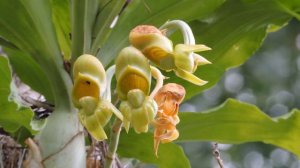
point(94, 115)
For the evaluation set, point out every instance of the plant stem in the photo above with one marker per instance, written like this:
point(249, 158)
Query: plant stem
point(62, 141)
point(217, 155)
point(159, 80)
point(114, 141)
point(185, 29)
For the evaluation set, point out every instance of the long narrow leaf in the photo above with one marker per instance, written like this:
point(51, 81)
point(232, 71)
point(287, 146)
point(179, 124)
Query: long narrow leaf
point(62, 23)
point(91, 9)
point(105, 19)
point(77, 28)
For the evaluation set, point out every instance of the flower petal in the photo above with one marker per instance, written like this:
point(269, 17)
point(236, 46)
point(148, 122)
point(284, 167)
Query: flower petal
point(191, 48)
point(190, 77)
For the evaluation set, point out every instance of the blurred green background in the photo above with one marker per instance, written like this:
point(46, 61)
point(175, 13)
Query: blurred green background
point(270, 79)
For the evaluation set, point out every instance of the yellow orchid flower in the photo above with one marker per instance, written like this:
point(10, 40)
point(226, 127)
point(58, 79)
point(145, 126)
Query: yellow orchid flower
point(159, 49)
point(133, 74)
point(89, 88)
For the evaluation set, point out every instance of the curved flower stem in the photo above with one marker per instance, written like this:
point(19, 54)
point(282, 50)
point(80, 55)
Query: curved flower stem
point(159, 80)
point(185, 29)
point(109, 74)
point(114, 141)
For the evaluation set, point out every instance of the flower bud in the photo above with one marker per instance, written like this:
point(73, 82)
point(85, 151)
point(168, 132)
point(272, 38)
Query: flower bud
point(132, 72)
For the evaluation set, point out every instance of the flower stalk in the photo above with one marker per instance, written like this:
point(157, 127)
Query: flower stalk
point(159, 80)
point(114, 142)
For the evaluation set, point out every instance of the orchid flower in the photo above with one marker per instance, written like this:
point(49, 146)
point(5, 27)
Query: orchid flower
point(88, 96)
point(168, 99)
point(156, 46)
point(133, 74)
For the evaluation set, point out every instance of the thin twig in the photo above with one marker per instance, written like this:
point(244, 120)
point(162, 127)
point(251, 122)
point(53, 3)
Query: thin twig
point(217, 155)
point(113, 145)
point(38, 103)
point(1, 156)
point(21, 158)
point(103, 147)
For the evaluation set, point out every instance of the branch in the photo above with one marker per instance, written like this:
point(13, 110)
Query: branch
point(217, 155)
point(37, 103)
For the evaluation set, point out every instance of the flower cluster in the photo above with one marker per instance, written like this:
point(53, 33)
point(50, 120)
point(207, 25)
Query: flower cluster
point(133, 70)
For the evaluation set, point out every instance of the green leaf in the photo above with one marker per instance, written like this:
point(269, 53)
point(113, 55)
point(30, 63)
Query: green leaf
point(155, 13)
point(234, 32)
point(140, 146)
point(8, 44)
point(30, 73)
point(62, 23)
point(102, 27)
point(292, 7)
point(77, 28)
point(91, 9)
point(28, 25)
point(12, 117)
point(237, 122)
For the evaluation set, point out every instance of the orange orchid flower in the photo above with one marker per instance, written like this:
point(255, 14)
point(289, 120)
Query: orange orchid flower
point(168, 99)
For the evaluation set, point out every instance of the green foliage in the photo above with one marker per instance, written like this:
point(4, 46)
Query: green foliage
point(102, 27)
point(236, 122)
point(91, 22)
point(234, 32)
point(12, 117)
point(36, 36)
point(155, 13)
point(140, 146)
point(233, 122)
point(77, 21)
point(29, 27)
point(30, 72)
point(62, 23)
